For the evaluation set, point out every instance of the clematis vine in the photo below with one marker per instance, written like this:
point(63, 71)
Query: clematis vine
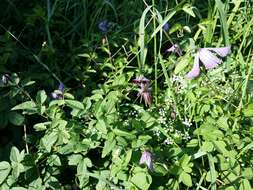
point(58, 94)
point(144, 91)
point(210, 57)
point(146, 158)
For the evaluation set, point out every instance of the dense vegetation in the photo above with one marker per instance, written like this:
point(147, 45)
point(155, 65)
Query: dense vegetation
point(130, 94)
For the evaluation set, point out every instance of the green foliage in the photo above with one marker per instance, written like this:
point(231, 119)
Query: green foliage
point(92, 132)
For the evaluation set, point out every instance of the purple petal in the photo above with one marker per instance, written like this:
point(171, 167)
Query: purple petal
point(61, 87)
point(54, 95)
point(223, 51)
point(176, 49)
point(209, 60)
point(195, 70)
point(146, 158)
point(141, 80)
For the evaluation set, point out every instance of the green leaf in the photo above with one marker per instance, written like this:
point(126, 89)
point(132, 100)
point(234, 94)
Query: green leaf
point(182, 63)
point(29, 105)
point(41, 126)
point(74, 159)
point(5, 169)
point(101, 126)
point(75, 104)
point(48, 141)
point(207, 146)
point(16, 118)
point(186, 179)
point(15, 155)
point(109, 145)
point(54, 160)
point(188, 9)
point(41, 97)
point(248, 111)
point(245, 185)
point(123, 134)
point(18, 188)
point(223, 123)
point(221, 147)
point(141, 180)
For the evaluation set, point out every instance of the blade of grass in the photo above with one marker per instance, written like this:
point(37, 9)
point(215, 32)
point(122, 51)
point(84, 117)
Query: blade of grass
point(212, 171)
point(223, 21)
point(141, 42)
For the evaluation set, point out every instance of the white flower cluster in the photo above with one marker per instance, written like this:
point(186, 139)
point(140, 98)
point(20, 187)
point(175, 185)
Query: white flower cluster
point(179, 82)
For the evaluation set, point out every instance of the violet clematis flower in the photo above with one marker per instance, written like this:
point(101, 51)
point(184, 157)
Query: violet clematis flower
point(145, 94)
point(58, 94)
point(176, 49)
point(141, 80)
point(146, 158)
point(145, 90)
point(209, 59)
point(104, 26)
point(166, 26)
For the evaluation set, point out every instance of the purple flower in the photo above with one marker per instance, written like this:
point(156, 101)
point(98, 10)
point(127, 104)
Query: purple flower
point(58, 94)
point(145, 94)
point(141, 80)
point(166, 26)
point(61, 87)
point(146, 158)
point(144, 90)
point(208, 56)
point(104, 26)
point(175, 49)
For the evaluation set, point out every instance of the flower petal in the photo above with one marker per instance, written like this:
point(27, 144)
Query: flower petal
point(209, 60)
point(195, 70)
point(223, 51)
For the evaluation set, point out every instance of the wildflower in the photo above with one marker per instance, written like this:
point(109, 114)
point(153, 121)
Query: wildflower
point(61, 87)
point(146, 158)
point(5, 79)
point(187, 122)
point(144, 91)
point(208, 58)
point(104, 26)
point(58, 94)
point(175, 49)
point(141, 80)
point(166, 26)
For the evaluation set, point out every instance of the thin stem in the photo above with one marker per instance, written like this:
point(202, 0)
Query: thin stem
point(246, 83)
point(25, 137)
point(155, 50)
